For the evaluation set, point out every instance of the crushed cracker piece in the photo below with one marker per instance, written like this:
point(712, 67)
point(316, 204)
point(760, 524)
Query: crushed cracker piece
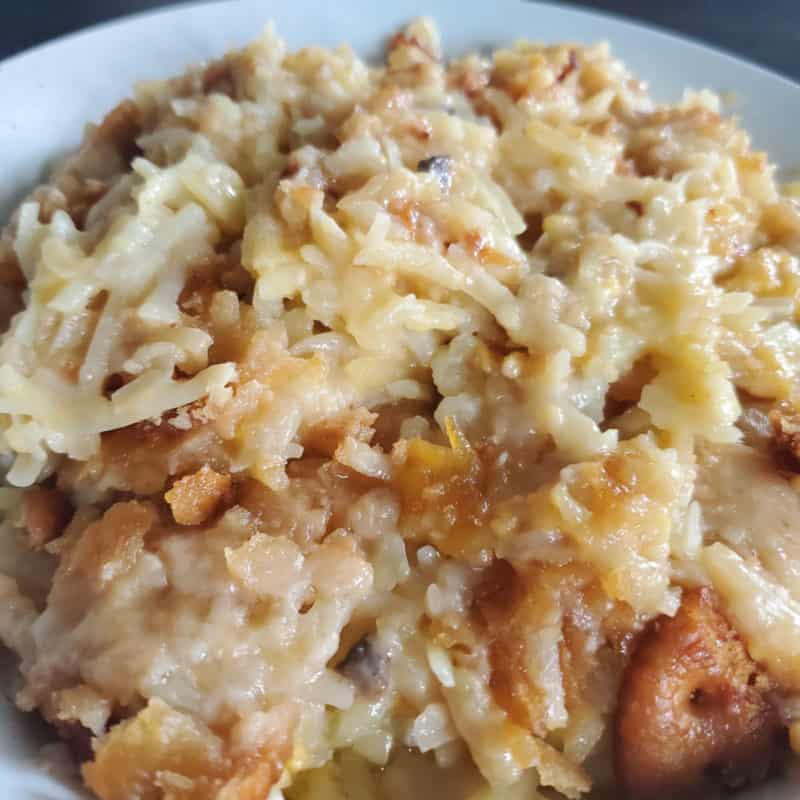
point(45, 514)
point(194, 498)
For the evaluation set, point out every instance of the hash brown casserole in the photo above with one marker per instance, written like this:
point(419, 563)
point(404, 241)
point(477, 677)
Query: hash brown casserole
point(425, 430)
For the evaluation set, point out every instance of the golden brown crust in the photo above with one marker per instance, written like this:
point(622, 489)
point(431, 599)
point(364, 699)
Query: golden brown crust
point(45, 514)
point(330, 432)
point(511, 610)
point(143, 756)
point(219, 78)
point(254, 774)
point(692, 710)
point(141, 458)
point(110, 546)
point(164, 753)
point(448, 482)
point(786, 432)
point(195, 498)
point(120, 128)
point(12, 281)
point(500, 604)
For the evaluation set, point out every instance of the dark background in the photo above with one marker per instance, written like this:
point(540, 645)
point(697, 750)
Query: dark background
point(764, 31)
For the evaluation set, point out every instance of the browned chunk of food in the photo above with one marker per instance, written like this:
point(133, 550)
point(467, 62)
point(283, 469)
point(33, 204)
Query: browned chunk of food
point(218, 78)
point(786, 430)
point(500, 602)
point(164, 753)
point(446, 484)
point(111, 545)
point(513, 610)
point(196, 497)
point(81, 202)
point(77, 738)
point(692, 713)
point(144, 457)
point(120, 128)
point(158, 753)
point(12, 282)
point(45, 514)
point(327, 434)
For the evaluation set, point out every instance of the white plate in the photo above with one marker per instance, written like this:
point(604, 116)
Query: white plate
point(47, 95)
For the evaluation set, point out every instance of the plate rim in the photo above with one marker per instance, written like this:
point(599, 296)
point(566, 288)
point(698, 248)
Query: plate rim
point(572, 8)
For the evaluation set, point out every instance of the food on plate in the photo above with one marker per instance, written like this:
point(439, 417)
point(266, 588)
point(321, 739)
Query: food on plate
point(427, 429)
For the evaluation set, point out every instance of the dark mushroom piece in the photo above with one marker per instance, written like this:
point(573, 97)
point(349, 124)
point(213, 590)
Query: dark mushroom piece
point(440, 167)
point(366, 666)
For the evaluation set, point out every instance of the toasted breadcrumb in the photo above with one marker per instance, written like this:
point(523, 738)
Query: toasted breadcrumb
point(45, 514)
point(194, 498)
point(110, 546)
